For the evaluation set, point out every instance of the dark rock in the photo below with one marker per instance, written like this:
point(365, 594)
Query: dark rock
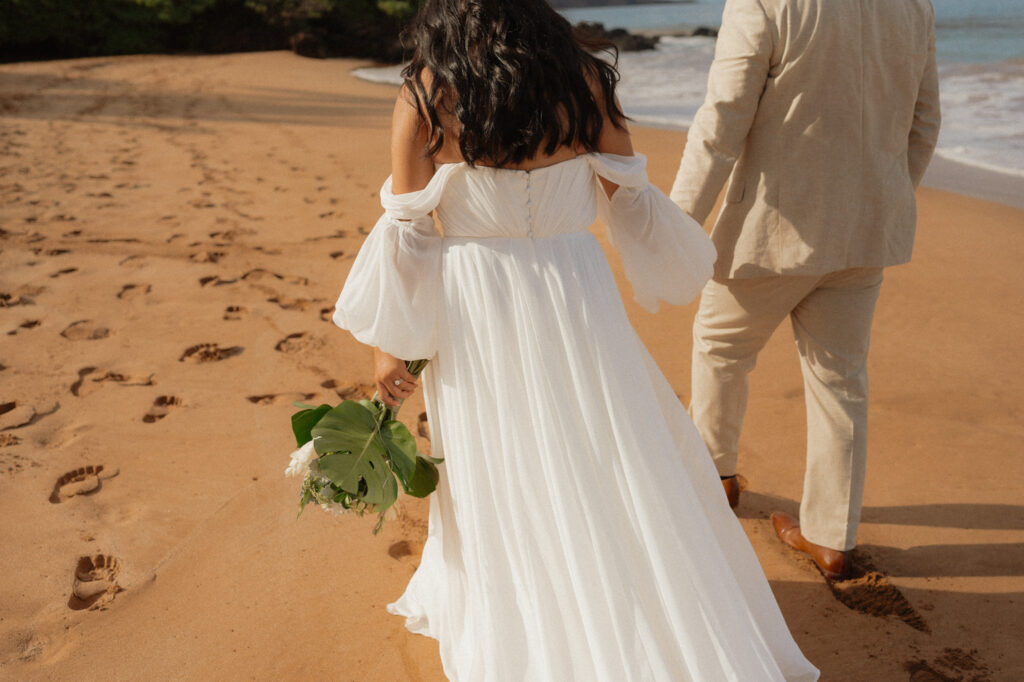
point(620, 37)
point(308, 45)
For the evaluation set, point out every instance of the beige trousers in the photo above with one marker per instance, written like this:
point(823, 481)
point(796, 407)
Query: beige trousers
point(831, 316)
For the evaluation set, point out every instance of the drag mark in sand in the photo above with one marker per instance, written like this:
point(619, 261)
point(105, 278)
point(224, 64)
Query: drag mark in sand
point(82, 481)
point(298, 342)
point(162, 406)
point(95, 582)
point(208, 352)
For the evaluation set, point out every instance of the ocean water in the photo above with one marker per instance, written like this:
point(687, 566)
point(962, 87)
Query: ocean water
point(979, 46)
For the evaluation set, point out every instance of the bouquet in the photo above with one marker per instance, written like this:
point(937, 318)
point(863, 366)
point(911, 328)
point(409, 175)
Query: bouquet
point(353, 456)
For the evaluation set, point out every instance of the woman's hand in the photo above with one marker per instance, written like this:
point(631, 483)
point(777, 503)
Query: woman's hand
point(387, 370)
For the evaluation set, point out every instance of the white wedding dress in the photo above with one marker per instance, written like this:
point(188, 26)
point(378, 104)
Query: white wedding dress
point(579, 530)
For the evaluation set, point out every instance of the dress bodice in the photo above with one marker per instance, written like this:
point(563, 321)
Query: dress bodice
point(485, 202)
point(394, 295)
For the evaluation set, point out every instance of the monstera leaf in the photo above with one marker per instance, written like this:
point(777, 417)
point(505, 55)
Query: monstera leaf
point(303, 422)
point(417, 474)
point(353, 454)
point(424, 478)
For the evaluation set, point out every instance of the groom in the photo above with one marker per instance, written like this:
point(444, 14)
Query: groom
point(823, 115)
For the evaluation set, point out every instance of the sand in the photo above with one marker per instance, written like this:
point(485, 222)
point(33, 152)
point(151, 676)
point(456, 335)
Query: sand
point(174, 233)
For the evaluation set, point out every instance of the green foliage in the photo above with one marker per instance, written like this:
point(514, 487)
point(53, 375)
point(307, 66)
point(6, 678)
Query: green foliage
point(48, 29)
point(352, 453)
point(292, 14)
point(304, 421)
point(78, 27)
point(400, 9)
point(361, 449)
point(176, 11)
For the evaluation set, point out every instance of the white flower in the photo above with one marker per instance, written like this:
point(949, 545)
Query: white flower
point(300, 461)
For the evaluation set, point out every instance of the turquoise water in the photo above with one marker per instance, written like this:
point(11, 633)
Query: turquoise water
point(967, 31)
point(979, 46)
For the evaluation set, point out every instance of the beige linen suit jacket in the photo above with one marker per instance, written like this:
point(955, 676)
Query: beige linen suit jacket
point(823, 115)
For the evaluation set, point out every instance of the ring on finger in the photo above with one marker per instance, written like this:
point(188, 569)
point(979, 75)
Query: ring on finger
point(397, 382)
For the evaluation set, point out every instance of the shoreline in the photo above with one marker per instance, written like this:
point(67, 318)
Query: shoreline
point(951, 175)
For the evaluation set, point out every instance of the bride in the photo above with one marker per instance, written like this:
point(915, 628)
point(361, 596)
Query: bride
point(579, 530)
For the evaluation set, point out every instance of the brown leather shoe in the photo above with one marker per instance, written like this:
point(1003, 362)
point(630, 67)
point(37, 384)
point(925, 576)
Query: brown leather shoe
point(732, 490)
point(832, 563)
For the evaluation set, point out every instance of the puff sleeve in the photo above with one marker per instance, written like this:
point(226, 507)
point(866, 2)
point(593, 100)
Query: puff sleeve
point(392, 296)
point(666, 253)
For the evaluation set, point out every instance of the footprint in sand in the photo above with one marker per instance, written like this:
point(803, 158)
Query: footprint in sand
point(287, 303)
point(235, 312)
point(869, 591)
point(85, 330)
point(25, 295)
point(207, 256)
point(337, 254)
point(350, 391)
point(400, 549)
point(954, 665)
point(279, 398)
point(337, 234)
point(208, 352)
point(82, 481)
point(423, 426)
point(114, 240)
point(15, 416)
point(95, 582)
point(327, 314)
point(261, 274)
point(13, 463)
point(8, 439)
point(91, 379)
point(213, 280)
point(130, 291)
point(27, 324)
point(162, 406)
point(298, 343)
point(64, 271)
point(232, 234)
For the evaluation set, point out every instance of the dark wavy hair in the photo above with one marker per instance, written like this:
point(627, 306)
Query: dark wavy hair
point(514, 73)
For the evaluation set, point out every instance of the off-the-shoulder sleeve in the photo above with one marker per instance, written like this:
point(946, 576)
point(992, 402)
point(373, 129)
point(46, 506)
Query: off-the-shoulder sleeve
point(392, 295)
point(667, 255)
